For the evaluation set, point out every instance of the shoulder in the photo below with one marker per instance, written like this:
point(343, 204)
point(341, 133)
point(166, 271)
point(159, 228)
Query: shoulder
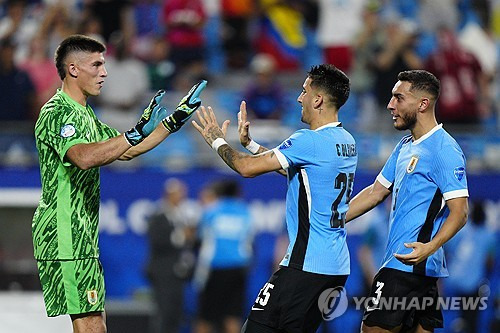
point(405, 140)
point(444, 143)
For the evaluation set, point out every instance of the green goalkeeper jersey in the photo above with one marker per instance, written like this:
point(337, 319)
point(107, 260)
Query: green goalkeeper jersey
point(66, 220)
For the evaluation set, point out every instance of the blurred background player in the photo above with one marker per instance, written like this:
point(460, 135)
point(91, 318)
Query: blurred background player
point(171, 234)
point(225, 254)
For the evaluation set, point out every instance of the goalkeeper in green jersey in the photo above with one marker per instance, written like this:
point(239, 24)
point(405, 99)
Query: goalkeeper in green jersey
point(72, 143)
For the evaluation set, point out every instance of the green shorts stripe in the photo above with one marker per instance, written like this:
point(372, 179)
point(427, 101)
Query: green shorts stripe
point(72, 286)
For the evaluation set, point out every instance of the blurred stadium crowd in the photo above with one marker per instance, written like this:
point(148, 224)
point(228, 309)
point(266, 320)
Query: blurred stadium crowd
point(257, 50)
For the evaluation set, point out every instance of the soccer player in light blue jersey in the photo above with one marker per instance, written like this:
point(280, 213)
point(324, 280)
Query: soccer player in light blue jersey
point(426, 176)
point(319, 163)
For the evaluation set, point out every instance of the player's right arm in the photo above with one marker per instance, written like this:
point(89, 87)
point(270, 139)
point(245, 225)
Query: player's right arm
point(244, 134)
point(366, 200)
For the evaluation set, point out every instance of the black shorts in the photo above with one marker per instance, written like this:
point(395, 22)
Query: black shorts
point(223, 295)
point(289, 300)
point(401, 298)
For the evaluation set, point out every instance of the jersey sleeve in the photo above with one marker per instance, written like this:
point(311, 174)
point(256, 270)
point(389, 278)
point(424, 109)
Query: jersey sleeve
point(297, 150)
point(448, 173)
point(61, 131)
point(106, 131)
point(388, 174)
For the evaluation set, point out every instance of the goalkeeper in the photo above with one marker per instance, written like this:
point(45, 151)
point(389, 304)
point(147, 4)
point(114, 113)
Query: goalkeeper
point(72, 143)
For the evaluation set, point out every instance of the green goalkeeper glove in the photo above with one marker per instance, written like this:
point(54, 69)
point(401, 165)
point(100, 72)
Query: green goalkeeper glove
point(185, 109)
point(150, 118)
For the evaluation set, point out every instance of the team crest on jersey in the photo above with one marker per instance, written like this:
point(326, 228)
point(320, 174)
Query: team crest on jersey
point(412, 165)
point(92, 296)
point(459, 173)
point(67, 131)
point(286, 144)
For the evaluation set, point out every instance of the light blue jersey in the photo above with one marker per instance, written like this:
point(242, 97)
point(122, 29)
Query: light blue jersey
point(422, 174)
point(226, 233)
point(320, 165)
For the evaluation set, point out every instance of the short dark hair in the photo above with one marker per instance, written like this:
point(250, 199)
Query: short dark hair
point(75, 43)
point(421, 80)
point(332, 81)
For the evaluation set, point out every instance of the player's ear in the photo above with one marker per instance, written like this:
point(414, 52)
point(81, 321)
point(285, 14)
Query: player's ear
point(72, 70)
point(424, 104)
point(318, 100)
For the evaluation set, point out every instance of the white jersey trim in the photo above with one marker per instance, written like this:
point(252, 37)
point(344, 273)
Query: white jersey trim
point(456, 194)
point(281, 158)
point(382, 180)
point(428, 134)
point(305, 178)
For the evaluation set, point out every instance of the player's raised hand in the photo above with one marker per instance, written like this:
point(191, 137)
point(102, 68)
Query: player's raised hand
point(187, 106)
point(243, 125)
point(208, 127)
point(150, 118)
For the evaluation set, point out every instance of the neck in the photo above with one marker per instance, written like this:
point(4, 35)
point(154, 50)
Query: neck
point(324, 117)
point(74, 92)
point(423, 126)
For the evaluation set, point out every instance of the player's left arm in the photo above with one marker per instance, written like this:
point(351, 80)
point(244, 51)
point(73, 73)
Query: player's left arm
point(244, 164)
point(171, 124)
point(154, 139)
point(456, 220)
point(245, 139)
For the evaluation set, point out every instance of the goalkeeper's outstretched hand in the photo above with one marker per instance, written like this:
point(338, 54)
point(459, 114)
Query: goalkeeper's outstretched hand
point(185, 109)
point(150, 118)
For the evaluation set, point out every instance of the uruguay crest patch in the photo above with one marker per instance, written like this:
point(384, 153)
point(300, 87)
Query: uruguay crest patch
point(413, 164)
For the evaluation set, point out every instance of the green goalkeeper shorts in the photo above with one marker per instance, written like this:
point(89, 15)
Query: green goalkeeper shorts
point(72, 286)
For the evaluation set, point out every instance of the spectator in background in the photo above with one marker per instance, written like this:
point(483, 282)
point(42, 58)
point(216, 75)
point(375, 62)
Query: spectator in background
point(395, 54)
point(225, 253)
point(473, 252)
point(171, 234)
point(18, 95)
point(365, 46)
point(464, 95)
point(57, 25)
point(339, 22)
point(147, 18)
point(40, 68)
point(18, 26)
point(124, 92)
point(91, 27)
point(161, 70)
point(264, 95)
point(114, 15)
point(184, 21)
point(236, 16)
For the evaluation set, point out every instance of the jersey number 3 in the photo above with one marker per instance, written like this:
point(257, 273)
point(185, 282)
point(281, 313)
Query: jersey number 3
point(343, 182)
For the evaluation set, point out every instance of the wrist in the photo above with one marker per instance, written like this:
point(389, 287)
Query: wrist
point(133, 136)
point(252, 147)
point(217, 143)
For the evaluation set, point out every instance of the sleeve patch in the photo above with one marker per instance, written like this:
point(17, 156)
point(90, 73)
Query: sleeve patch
point(459, 173)
point(286, 144)
point(67, 131)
